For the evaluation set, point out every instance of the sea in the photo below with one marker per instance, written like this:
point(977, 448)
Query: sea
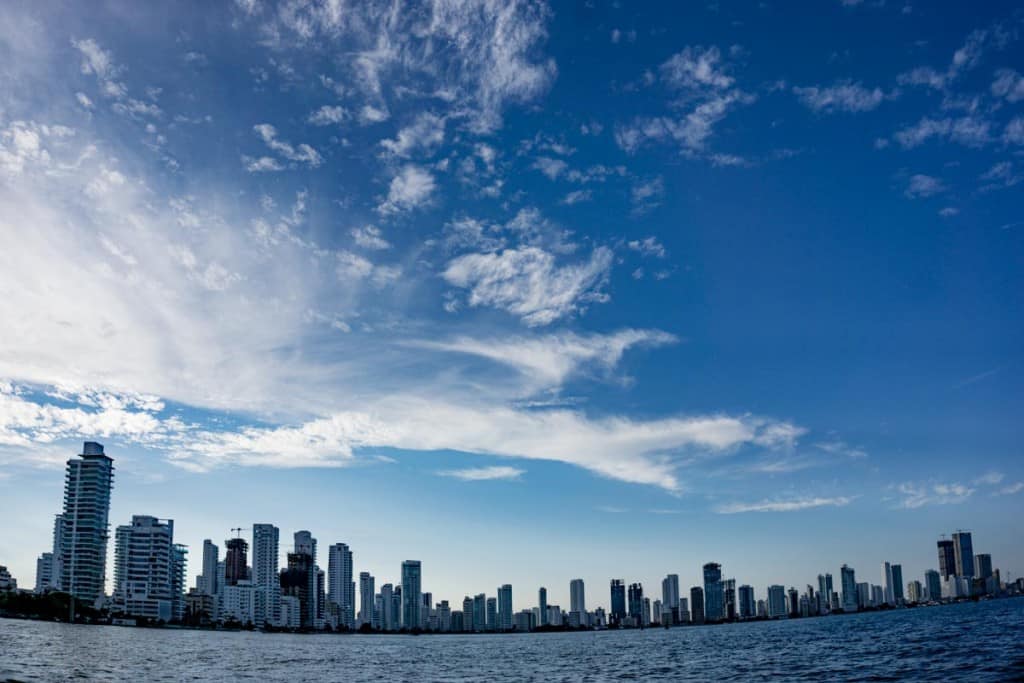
point(982, 641)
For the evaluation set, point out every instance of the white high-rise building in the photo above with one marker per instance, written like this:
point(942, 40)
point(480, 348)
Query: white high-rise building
point(777, 602)
point(146, 568)
point(84, 525)
point(207, 582)
point(341, 589)
point(266, 567)
point(366, 599)
point(670, 595)
point(577, 597)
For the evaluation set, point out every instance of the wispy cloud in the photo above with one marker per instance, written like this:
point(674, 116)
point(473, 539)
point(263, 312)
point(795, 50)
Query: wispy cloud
point(914, 495)
point(780, 505)
point(484, 473)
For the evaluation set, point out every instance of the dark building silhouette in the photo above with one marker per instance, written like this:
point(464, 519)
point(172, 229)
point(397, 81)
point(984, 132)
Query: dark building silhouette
point(697, 604)
point(947, 558)
point(636, 602)
point(618, 601)
point(236, 561)
point(298, 580)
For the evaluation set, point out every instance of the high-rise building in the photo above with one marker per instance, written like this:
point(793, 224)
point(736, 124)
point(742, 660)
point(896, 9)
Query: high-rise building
point(505, 606)
point(492, 614)
point(58, 553)
point(542, 605)
point(467, 615)
point(897, 584)
point(145, 568)
point(411, 596)
point(776, 601)
point(88, 481)
point(341, 584)
point(824, 592)
point(729, 598)
point(848, 582)
point(366, 593)
point(635, 595)
point(618, 601)
point(933, 584)
point(887, 585)
point(266, 573)
point(577, 597)
point(236, 561)
point(915, 592)
point(206, 583)
point(947, 558)
point(298, 580)
point(670, 596)
point(388, 620)
point(863, 595)
point(794, 602)
point(44, 573)
point(963, 552)
point(748, 606)
point(179, 561)
point(480, 613)
point(714, 598)
point(982, 566)
point(697, 604)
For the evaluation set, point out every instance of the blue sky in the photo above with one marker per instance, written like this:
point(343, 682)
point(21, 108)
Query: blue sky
point(525, 291)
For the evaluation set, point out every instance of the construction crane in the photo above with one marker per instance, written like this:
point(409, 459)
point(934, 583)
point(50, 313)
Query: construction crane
point(238, 531)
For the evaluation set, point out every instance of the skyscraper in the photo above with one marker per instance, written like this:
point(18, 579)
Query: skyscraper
point(933, 585)
point(411, 597)
point(729, 598)
point(44, 573)
point(618, 601)
point(505, 606)
point(236, 561)
point(492, 614)
point(670, 596)
point(207, 581)
point(982, 566)
point(947, 558)
point(897, 584)
point(179, 560)
point(697, 604)
point(480, 612)
point(87, 484)
point(366, 593)
point(848, 583)
point(636, 602)
point(577, 598)
point(341, 585)
point(298, 581)
point(467, 614)
point(387, 616)
point(963, 552)
point(145, 565)
point(266, 572)
point(887, 586)
point(748, 606)
point(714, 599)
point(776, 601)
point(542, 605)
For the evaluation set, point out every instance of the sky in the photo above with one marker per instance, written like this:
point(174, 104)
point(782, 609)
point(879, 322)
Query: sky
point(525, 291)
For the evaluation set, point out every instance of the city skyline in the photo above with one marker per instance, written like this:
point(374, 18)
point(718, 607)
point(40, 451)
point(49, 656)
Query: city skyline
point(554, 290)
point(151, 579)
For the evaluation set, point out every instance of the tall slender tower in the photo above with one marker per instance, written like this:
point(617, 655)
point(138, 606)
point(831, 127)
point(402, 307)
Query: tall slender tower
point(266, 569)
point(84, 524)
point(963, 552)
point(411, 598)
point(340, 586)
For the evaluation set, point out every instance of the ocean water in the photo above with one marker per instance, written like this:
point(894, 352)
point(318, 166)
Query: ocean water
point(966, 642)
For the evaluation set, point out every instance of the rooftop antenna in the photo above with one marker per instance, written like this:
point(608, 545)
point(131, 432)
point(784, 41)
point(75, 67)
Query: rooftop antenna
point(238, 531)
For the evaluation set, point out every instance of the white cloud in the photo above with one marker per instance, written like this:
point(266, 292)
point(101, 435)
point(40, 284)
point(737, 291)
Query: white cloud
point(648, 246)
point(921, 185)
point(970, 131)
point(548, 361)
point(550, 166)
point(301, 153)
point(845, 96)
point(576, 197)
point(84, 100)
point(484, 473)
point(696, 68)
point(328, 115)
point(915, 495)
point(528, 283)
point(262, 164)
point(1011, 489)
point(100, 63)
point(369, 237)
point(1008, 84)
point(646, 195)
point(1014, 131)
point(837, 447)
point(777, 505)
point(425, 134)
point(410, 189)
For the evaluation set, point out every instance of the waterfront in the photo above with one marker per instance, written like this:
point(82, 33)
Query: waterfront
point(981, 641)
